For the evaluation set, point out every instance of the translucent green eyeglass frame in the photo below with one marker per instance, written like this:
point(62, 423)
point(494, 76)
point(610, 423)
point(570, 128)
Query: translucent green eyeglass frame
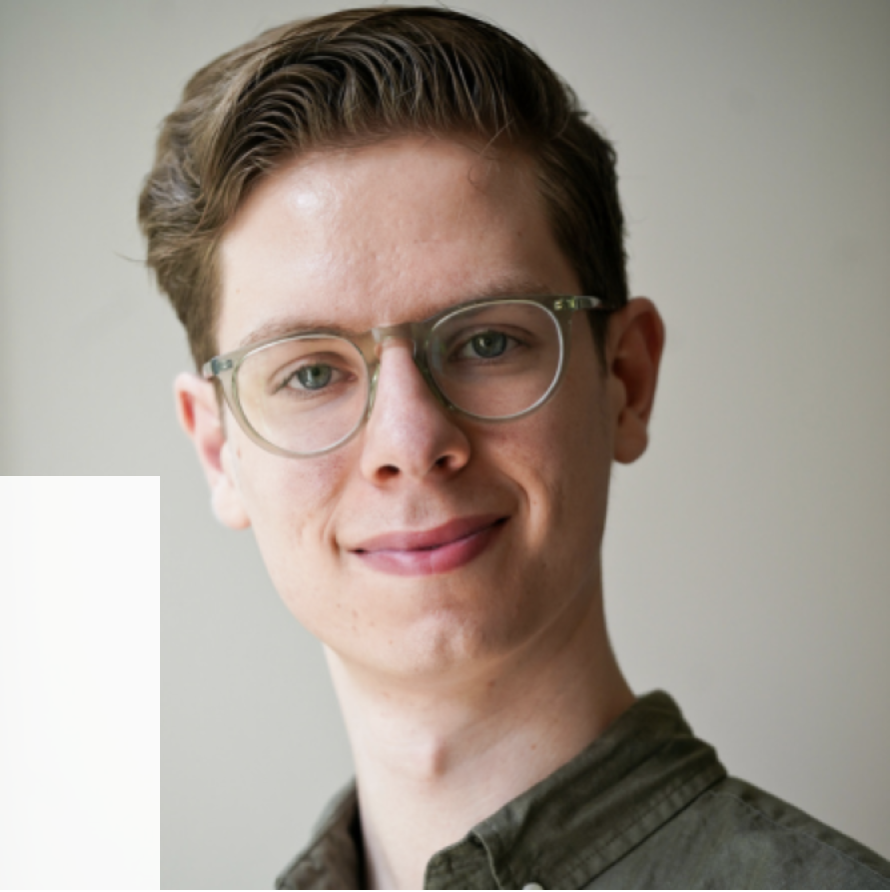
point(560, 307)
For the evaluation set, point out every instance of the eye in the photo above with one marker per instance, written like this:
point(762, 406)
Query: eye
point(485, 345)
point(312, 377)
point(311, 371)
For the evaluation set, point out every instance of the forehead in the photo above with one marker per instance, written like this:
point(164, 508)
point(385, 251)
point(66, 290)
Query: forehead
point(384, 234)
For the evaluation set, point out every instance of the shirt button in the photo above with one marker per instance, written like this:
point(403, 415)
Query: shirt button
point(532, 886)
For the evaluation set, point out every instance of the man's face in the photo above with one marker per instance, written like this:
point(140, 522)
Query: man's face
point(514, 511)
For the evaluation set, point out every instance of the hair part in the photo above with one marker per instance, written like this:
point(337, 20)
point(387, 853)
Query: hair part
point(357, 77)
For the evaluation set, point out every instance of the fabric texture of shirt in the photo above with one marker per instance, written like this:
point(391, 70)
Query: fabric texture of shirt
point(646, 806)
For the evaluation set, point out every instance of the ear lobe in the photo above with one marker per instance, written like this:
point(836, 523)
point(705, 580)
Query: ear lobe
point(198, 413)
point(636, 341)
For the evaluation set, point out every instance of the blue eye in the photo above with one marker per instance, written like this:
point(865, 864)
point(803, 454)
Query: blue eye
point(489, 344)
point(485, 345)
point(313, 377)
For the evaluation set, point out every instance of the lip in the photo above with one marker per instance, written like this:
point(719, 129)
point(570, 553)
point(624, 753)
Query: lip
point(439, 550)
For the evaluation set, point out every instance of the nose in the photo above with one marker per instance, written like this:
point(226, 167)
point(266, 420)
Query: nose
point(409, 434)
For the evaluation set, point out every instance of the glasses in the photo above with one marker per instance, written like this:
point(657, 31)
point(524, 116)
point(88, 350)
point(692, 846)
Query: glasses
point(491, 360)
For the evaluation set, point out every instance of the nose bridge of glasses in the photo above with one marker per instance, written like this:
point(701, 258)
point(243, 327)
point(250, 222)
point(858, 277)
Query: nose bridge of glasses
point(408, 334)
point(405, 332)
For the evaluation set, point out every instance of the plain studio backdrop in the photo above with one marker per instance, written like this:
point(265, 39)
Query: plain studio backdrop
point(746, 556)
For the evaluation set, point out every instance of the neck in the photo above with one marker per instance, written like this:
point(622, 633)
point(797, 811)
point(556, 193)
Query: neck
point(432, 760)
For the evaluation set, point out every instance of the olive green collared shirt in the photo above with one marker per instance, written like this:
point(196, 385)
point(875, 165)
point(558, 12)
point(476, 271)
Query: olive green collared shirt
point(646, 806)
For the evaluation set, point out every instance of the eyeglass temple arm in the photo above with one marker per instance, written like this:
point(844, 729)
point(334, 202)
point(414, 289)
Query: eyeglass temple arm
point(581, 303)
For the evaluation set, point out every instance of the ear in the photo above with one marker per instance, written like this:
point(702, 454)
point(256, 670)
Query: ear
point(198, 413)
point(634, 347)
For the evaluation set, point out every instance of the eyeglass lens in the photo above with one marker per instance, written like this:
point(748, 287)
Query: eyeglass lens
point(306, 394)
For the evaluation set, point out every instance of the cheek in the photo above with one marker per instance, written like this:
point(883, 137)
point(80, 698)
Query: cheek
point(290, 502)
point(560, 457)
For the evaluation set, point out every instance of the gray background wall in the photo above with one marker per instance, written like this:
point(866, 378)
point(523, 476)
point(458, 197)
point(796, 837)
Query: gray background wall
point(746, 559)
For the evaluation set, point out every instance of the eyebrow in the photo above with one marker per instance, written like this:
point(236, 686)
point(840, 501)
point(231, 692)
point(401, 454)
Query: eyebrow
point(281, 328)
point(285, 326)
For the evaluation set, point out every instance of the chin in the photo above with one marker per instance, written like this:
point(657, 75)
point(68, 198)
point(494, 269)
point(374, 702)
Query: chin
point(437, 631)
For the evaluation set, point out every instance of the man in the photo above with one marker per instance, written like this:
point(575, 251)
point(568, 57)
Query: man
point(397, 249)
